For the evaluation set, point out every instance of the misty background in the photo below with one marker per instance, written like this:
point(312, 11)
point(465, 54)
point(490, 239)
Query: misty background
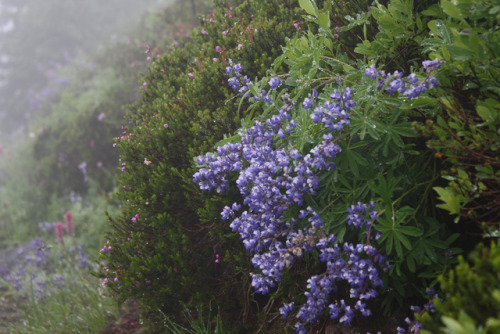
point(40, 39)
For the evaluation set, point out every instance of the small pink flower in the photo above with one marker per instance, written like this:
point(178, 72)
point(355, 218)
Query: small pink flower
point(337, 28)
point(106, 281)
point(191, 75)
point(124, 168)
point(215, 59)
point(203, 31)
point(218, 49)
point(335, 35)
point(165, 125)
point(116, 279)
point(296, 25)
point(144, 84)
point(240, 46)
point(224, 32)
point(106, 247)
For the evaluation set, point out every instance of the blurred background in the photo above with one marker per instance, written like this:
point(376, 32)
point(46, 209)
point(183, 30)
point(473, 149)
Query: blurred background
point(39, 39)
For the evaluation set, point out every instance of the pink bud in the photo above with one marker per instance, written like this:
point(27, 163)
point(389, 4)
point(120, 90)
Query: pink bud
point(191, 75)
point(165, 125)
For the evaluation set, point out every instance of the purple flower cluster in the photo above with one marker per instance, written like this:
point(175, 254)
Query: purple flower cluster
point(237, 82)
point(36, 258)
point(354, 264)
point(361, 214)
point(410, 86)
point(333, 115)
point(273, 179)
point(241, 83)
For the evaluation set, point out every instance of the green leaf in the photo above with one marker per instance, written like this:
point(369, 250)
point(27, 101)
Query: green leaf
point(404, 129)
point(453, 325)
point(402, 239)
point(440, 28)
point(411, 231)
point(450, 199)
point(324, 20)
point(254, 90)
point(450, 9)
point(309, 6)
point(397, 246)
point(388, 246)
point(411, 263)
point(485, 112)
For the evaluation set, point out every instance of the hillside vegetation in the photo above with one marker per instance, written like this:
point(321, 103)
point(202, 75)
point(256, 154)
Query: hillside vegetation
point(288, 166)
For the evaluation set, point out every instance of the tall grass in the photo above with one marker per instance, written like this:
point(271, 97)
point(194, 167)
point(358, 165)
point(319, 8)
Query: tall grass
point(52, 282)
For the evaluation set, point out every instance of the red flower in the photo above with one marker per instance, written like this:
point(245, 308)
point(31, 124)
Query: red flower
point(68, 220)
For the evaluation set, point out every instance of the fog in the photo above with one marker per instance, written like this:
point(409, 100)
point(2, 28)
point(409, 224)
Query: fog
point(39, 39)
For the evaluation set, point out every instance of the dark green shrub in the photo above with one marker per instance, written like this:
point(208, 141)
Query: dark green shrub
point(166, 256)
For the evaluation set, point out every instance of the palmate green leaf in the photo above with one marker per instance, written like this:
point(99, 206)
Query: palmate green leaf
point(450, 198)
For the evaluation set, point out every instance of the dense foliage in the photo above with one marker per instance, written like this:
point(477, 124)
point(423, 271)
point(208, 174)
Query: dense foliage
point(307, 166)
point(163, 251)
point(332, 181)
